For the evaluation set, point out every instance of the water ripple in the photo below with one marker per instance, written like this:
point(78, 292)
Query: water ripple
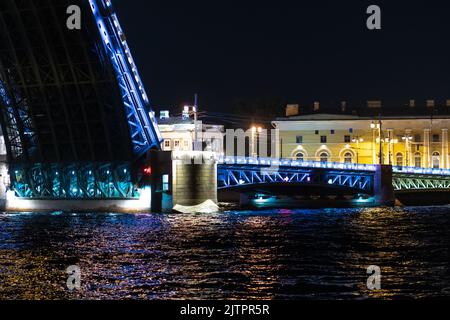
point(272, 254)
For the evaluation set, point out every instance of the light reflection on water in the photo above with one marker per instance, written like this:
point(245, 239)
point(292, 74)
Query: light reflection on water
point(276, 254)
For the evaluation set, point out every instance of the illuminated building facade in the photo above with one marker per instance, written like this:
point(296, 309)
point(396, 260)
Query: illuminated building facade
point(178, 133)
point(413, 141)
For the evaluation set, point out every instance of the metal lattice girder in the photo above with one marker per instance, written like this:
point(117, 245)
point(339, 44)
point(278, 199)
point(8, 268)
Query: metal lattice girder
point(142, 123)
point(231, 176)
point(70, 96)
point(403, 182)
point(351, 180)
point(73, 181)
point(18, 127)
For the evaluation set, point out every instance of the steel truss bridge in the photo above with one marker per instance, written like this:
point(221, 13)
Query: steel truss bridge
point(75, 115)
point(245, 173)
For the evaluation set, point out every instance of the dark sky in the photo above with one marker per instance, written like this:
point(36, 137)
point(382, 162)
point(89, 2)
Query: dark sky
point(295, 51)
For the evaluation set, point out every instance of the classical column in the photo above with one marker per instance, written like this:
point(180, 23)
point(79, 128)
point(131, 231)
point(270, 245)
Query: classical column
point(409, 154)
point(374, 148)
point(391, 155)
point(426, 148)
point(444, 156)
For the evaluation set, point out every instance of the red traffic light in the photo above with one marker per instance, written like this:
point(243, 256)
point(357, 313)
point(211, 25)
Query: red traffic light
point(148, 170)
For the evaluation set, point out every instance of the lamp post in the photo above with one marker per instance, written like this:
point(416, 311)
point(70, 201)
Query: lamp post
point(255, 131)
point(377, 125)
point(407, 138)
point(193, 110)
point(357, 140)
point(391, 143)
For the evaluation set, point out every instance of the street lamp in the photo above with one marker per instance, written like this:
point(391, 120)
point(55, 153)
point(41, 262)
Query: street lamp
point(187, 110)
point(391, 142)
point(377, 125)
point(357, 140)
point(408, 138)
point(255, 132)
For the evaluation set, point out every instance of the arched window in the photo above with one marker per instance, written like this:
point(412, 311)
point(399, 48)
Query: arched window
point(435, 160)
point(300, 156)
point(348, 157)
point(324, 157)
point(417, 160)
point(399, 160)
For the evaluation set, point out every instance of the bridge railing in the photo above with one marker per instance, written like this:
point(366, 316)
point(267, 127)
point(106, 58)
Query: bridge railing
point(418, 170)
point(267, 162)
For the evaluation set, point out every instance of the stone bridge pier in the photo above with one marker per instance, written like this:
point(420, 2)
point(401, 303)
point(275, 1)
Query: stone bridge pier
point(383, 188)
point(185, 178)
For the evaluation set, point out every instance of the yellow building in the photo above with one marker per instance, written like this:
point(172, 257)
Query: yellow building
point(415, 141)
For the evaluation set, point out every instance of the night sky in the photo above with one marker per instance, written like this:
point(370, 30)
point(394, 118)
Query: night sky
point(289, 51)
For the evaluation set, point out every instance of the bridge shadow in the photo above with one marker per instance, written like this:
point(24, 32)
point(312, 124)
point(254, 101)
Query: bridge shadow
point(423, 197)
point(289, 195)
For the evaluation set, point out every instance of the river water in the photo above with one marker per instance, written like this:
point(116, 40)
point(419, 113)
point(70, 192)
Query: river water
point(276, 254)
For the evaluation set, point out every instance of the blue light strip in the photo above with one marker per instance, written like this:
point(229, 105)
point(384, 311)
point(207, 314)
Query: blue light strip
point(295, 163)
point(427, 171)
point(265, 162)
point(143, 126)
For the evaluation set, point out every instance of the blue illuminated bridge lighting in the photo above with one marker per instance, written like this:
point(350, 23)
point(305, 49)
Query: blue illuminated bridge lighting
point(243, 171)
point(294, 163)
point(265, 162)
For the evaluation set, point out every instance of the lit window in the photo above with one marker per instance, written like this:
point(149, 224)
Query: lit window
point(348, 157)
point(165, 182)
point(323, 157)
point(300, 156)
point(435, 159)
point(417, 160)
point(167, 144)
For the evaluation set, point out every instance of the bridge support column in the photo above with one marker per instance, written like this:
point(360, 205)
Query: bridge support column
point(161, 175)
point(244, 200)
point(194, 177)
point(4, 183)
point(383, 188)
